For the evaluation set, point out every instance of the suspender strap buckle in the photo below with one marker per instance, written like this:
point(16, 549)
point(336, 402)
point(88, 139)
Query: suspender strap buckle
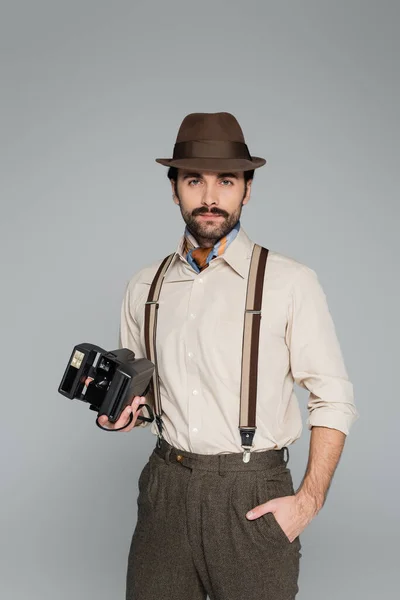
point(247, 435)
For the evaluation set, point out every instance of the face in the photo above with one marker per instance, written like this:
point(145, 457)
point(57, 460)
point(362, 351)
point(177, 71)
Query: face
point(210, 203)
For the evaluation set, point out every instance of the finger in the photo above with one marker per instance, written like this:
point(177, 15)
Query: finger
point(104, 422)
point(131, 425)
point(123, 420)
point(259, 510)
point(133, 422)
point(124, 417)
point(134, 406)
point(134, 409)
point(136, 401)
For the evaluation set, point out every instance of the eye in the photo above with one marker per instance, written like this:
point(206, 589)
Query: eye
point(227, 180)
point(192, 180)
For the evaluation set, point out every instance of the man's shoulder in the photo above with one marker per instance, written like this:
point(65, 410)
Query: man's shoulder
point(286, 266)
point(146, 273)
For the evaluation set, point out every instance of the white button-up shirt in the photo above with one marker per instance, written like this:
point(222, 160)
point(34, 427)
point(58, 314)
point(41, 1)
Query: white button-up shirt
point(199, 350)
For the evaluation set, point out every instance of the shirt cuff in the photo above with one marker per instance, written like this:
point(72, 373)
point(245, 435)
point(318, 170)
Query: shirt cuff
point(327, 417)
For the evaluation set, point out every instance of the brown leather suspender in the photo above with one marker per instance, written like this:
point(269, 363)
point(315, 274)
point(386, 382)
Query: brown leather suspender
point(251, 336)
point(150, 329)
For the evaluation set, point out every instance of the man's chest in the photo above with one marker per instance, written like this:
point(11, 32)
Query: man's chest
point(207, 311)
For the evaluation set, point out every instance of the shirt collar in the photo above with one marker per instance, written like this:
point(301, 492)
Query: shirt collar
point(237, 254)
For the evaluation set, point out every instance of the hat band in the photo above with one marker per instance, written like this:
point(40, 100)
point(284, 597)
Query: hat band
point(211, 149)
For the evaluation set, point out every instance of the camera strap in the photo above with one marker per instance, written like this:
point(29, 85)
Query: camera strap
point(250, 344)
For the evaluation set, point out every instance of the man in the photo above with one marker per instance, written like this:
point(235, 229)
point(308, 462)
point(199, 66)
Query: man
point(209, 521)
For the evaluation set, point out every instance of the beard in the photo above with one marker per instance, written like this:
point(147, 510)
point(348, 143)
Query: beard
point(212, 230)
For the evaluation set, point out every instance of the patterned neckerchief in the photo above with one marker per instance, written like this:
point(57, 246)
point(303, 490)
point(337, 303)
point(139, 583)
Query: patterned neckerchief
point(199, 258)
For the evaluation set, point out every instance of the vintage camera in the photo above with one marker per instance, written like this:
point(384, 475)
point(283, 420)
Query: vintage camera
point(115, 378)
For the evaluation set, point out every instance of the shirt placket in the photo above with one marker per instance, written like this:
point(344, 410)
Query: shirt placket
point(194, 385)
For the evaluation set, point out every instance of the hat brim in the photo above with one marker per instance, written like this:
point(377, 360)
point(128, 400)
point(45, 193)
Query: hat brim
point(214, 164)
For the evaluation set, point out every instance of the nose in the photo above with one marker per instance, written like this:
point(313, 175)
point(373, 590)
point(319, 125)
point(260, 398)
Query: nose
point(210, 195)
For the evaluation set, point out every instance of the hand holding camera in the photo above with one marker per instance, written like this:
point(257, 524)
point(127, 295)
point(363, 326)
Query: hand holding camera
point(113, 383)
point(123, 421)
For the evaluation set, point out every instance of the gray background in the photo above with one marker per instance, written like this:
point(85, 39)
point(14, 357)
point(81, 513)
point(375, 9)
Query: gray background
point(91, 93)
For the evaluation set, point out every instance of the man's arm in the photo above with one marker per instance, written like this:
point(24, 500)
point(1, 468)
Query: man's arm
point(326, 447)
point(294, 513)
point(316, 359)
point(317, 365)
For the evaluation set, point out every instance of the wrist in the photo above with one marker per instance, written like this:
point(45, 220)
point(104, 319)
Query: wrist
point(309, 502)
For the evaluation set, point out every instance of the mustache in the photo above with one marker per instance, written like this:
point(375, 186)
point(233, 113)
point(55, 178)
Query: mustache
point(204, 211)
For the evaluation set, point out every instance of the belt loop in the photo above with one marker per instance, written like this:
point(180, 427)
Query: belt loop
point(167, 456)
point(220, 464)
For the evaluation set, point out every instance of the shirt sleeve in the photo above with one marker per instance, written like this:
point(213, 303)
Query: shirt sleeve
point(129, 337)
point(315, 356)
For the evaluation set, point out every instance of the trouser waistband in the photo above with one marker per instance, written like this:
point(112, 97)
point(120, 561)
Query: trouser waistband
point(266, 459)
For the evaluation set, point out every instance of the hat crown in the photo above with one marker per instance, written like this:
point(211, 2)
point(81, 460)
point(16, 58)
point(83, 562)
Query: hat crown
point(211, 142)
point(220, 126)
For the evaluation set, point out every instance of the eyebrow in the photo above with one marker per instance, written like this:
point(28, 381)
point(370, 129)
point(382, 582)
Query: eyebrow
point(198, 175)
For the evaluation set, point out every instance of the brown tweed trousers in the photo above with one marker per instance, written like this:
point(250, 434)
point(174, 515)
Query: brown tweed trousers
point(192, 537)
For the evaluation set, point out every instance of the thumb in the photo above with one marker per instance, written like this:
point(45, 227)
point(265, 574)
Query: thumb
point(261, 509)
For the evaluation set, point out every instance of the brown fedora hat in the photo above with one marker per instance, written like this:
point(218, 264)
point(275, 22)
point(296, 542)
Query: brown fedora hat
point(211, 142)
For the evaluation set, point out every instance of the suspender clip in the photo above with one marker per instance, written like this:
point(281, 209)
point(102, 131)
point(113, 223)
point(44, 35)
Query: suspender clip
point(159, 424)
point(246, 454)
point(247, 435)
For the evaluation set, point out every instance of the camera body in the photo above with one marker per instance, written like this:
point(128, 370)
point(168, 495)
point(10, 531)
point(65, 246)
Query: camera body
point(117, 376)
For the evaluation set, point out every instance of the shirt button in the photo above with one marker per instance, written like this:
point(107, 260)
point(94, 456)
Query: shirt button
point(195, 430)
point(200, 280)
point(195, 392)
point(192, 315)
point(190, 354)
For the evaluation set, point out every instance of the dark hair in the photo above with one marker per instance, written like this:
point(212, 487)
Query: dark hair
point(173, 174)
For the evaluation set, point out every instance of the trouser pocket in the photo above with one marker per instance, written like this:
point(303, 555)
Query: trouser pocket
point(271, 485)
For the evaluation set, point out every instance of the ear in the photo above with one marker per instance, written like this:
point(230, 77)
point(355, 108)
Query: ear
point(248, 192)
point(174, 197)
